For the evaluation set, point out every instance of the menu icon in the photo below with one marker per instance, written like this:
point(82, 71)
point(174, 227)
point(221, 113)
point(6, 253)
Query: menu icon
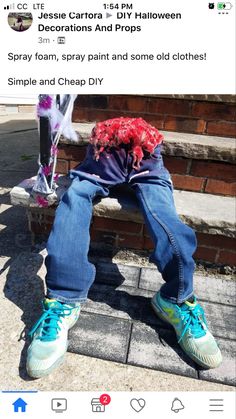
point(216, 405)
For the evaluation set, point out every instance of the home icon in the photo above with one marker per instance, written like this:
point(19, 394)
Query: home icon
point(97, 406)
point(19, 405)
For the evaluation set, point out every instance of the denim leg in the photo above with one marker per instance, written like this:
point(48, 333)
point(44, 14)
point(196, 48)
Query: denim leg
point(69, 273)
point(174, 241)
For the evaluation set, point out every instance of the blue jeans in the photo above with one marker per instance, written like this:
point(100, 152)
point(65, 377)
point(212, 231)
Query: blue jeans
point(70, 274)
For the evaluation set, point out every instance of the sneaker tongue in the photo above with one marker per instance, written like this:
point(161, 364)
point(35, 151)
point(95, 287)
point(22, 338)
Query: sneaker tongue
point(191, 304)
point(51, 303)
point(186, 305)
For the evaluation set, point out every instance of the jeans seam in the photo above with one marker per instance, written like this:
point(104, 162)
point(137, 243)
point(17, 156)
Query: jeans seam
point(180, 288)
point(66, 300)
point(176, 300)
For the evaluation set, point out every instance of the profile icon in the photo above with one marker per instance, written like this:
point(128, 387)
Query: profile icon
point(20, 22)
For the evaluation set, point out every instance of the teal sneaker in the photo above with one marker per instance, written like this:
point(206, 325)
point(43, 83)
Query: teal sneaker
point(191, 329)
point(50, 337)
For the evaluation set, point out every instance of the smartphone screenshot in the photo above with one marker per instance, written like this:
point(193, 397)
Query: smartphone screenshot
point(117, 209)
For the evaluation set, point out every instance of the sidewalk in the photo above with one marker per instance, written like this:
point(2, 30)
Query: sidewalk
point(118, 344)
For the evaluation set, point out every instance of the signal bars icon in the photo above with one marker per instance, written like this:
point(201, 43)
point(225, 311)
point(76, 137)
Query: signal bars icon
point(9, 7)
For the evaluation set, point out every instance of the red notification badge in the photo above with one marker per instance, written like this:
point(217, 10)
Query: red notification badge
point(105, 399)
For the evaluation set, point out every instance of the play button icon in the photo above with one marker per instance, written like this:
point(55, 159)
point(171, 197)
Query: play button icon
point(59, 405)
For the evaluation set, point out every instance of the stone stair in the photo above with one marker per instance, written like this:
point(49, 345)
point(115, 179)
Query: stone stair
point(118, 223)
point(198, 164)
point(210, 118)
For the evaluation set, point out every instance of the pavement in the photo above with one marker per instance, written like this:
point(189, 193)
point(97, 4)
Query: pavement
point(118, 343)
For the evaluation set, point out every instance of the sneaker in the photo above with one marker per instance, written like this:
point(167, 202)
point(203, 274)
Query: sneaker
point(191, 328)
point(50, 337)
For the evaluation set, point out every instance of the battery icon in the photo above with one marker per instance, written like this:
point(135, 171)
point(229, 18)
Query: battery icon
point(224, 6)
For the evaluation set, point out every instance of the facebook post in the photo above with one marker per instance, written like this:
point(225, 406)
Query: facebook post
point(117, 209)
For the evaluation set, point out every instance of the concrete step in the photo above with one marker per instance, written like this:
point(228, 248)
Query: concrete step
point(205, 213)
point(214, 226)
point(199, 163)
point(118, 222)
point(189, 145)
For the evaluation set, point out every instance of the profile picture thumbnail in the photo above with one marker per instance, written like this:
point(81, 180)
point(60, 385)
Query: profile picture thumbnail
point(20, 22)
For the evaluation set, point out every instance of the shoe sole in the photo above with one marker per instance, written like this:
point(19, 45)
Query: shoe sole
point(200, 362)
point(158, 312)
point(57, 363)
point(43, 373)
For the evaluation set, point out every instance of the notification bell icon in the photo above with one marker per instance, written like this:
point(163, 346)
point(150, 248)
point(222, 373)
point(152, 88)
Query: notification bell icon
point(177, 405)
